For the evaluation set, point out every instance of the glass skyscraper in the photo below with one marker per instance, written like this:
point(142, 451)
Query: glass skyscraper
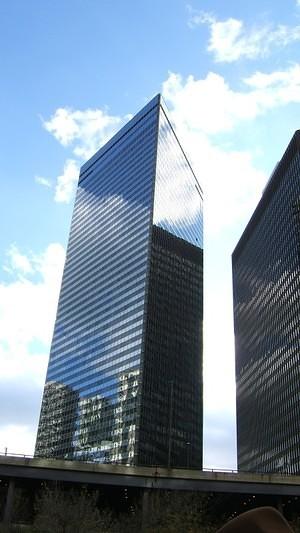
point(266, 287)
point(124, 381)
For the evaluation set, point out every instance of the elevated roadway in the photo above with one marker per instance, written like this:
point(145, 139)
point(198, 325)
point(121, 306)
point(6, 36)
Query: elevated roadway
point(13, 467)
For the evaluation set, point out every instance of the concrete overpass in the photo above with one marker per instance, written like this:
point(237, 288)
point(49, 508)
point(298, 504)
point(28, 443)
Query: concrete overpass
point(16, 467)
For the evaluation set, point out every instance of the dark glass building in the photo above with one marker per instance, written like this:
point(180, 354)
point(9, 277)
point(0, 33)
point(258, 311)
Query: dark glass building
point(125, 368)
point(266, 289)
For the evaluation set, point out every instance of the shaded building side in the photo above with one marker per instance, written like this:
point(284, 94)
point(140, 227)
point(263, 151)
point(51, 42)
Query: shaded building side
point(171, 403)
point(266, 289)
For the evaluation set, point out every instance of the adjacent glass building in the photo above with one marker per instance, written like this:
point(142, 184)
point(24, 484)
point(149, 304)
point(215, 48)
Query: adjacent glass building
point(266, 288)
point(124, 381)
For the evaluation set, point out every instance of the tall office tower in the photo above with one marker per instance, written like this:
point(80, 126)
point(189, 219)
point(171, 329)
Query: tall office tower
point(266, 289)
point(125, 368)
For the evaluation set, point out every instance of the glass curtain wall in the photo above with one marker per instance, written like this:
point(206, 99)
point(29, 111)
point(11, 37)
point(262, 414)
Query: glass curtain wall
point(266, 286)
point(96, 348)
point(124, 382)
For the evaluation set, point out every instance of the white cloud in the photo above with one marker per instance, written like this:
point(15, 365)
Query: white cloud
point(85, 131)
point(43, 181)
point(230, 40)
point(219, 439)
point(27, 307)
point(27, 312)
point(63, 126)
point(18, 262)
point(284, 84)
point(210, 106)
point(66, 182)
point(200, 109)
point(17, 438)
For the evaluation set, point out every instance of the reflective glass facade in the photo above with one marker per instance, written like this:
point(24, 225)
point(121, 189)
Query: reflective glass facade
point(94, 396)
point(266, 286)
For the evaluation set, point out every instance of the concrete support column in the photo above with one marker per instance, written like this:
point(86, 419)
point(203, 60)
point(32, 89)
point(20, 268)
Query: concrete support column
point(9, 502)
point(149, 506)
point(145, 509)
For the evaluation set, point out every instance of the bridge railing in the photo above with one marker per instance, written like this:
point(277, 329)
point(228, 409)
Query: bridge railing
point(11, 454)
point(29, 456)
point(211, 470)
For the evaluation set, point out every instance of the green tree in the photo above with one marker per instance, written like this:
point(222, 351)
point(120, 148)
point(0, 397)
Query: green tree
point(181, 511)
point(70, 512)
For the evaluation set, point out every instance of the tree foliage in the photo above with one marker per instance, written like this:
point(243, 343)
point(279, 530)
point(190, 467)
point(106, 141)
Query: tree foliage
point(70, 512)
point(181, 511)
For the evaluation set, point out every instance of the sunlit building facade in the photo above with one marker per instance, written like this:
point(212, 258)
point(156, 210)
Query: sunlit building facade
point(128, 333)
point(266, 288)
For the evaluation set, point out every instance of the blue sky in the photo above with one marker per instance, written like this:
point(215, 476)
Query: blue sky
point(72, 72)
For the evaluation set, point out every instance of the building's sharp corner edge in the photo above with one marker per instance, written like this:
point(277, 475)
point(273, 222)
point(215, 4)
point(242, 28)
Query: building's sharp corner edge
point(155, 101)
